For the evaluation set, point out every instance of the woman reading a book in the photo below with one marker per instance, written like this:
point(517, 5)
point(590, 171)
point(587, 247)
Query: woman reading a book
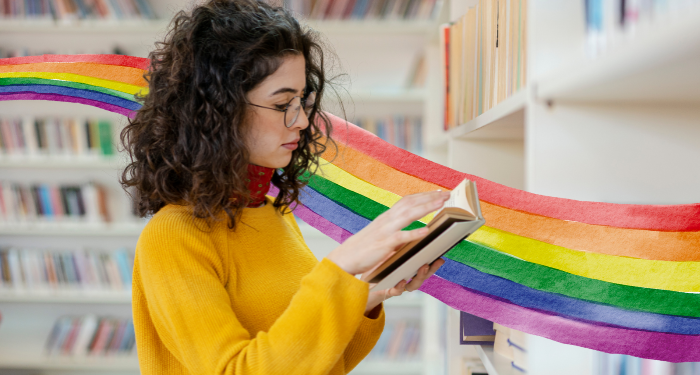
point(223, 281)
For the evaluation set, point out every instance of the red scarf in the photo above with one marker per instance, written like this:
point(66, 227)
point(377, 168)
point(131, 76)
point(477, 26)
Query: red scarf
point(258, 183)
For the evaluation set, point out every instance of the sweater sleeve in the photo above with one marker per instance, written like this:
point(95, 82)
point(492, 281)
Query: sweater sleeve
point(183, 278)
point(365, 338)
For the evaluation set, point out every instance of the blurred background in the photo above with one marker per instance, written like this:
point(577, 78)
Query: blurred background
point(584, 99)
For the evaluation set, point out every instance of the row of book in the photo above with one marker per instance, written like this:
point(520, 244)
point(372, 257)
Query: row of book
point(610, 21)
point(400, 341)
point(55, 137)
point(484, 54)
point(619, 364)
point(67, 11)
point(41, 271)
point(91, 335)
point(47, 202)
point(6, 52)
point(402, 131)
point(364, 9)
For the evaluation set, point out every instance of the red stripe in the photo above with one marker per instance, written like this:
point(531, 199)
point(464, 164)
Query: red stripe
point(682, 218)
point(130, 61)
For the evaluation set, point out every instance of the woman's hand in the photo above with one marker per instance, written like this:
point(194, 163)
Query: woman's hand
point(375, 298)
point(383, 236)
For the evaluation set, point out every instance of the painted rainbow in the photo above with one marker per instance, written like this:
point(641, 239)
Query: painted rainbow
point(610, 277)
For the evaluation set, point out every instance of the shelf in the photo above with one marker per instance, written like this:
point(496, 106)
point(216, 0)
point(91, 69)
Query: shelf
point(63, 163)
point(66, 297)
point(658, 64)
point(140, 27)
point(72, 229)
point(389, 367)
point(504, 121)
point(97, 363)
point(495, 364)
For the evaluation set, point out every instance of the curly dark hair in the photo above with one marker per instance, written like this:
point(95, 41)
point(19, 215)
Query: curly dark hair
point(186, 142)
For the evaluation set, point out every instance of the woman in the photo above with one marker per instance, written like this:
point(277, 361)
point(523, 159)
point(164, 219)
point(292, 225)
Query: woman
point(223, 282)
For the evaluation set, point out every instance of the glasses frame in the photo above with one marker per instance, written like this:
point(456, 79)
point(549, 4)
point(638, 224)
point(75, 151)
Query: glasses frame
point(286, 107)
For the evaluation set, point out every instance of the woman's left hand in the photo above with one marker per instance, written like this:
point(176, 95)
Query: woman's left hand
point(375, 298)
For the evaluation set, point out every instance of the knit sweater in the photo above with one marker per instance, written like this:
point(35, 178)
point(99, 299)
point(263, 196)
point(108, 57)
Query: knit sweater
point(209, 300)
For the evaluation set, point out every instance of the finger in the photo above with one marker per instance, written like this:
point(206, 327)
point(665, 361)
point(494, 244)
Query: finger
point(400, 218)
point(421, 276)
point(403, 236)
point(435, 266)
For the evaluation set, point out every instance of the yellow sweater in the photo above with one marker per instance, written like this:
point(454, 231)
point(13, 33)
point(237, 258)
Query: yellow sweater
point(250, 301)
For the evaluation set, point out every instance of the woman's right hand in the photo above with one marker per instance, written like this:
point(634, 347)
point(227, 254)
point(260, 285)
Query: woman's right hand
point(383, 236)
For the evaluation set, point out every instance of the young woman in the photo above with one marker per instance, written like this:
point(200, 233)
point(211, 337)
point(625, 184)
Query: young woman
point(223, 282)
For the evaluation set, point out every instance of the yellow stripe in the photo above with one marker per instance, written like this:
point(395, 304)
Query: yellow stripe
point(333, 173)
point(656, 274)
point(114, 85)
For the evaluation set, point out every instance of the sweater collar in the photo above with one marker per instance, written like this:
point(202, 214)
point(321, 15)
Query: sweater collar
point(258, 183)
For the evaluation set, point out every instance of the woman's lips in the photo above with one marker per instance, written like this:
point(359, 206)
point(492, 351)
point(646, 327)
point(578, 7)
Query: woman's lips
point(291, 146)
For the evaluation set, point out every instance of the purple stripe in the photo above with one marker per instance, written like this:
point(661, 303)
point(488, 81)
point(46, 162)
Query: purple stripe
point(317, 221)
point(70, 99)
point(653, 345)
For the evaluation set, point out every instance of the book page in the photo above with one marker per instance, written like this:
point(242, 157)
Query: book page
point(458, 198)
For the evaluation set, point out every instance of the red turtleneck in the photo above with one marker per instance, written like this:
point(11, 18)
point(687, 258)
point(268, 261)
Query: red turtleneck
point(258, 183)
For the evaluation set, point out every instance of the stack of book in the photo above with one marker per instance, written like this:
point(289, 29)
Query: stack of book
point(484, 57)
point(21, 204)
point(402, 131)
point(512, 345)
point(90, 335)
point(67, 11)
point(55, 137)
point(44, 271)
point(611, 21)
point(399, 341)
point(363, 9)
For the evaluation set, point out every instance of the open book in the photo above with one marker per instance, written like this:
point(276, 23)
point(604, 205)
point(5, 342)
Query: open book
point(459, 217)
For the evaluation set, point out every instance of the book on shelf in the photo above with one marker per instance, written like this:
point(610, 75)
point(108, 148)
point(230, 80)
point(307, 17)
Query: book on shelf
point(458, 218)
point(475, 330)
point(610, 22)
point(69, 11)
point(69, 138)
point(485, 58)
point(80, 336)
point(364, 9)
point(402, 131)
point(21, 204)
point(43, 272)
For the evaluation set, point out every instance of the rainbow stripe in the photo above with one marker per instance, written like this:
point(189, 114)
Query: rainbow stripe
point(104, 81)
point(610, 277)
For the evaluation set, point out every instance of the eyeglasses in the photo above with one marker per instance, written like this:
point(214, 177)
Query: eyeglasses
point(293, 108)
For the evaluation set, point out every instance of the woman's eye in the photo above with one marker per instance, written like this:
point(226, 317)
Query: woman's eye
point(281, 106)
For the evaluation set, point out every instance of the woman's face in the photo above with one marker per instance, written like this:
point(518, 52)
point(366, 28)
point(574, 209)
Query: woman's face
point(271, 143)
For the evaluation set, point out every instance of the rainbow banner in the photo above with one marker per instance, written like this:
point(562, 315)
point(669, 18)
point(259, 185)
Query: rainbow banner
point(610, 277)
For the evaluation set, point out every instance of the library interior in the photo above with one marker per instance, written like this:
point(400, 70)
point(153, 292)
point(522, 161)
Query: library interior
point(579, 121)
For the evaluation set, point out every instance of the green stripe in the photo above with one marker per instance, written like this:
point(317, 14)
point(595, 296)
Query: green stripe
point(55, 82)
point(530, 274)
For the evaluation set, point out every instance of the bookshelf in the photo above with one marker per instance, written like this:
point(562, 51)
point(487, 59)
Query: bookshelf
point(614, 122)
point(378, 56)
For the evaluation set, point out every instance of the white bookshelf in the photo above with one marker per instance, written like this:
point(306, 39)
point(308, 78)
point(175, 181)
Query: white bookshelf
point(620, 126)
point(376, 55)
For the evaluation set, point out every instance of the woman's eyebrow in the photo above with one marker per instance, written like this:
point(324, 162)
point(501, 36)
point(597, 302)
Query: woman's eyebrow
point(285, 90)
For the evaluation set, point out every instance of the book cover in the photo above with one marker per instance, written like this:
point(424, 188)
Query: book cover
point(475, 330)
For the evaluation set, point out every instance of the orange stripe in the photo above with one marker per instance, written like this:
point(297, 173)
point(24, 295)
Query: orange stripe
point(635, 243)
point(125, 74)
